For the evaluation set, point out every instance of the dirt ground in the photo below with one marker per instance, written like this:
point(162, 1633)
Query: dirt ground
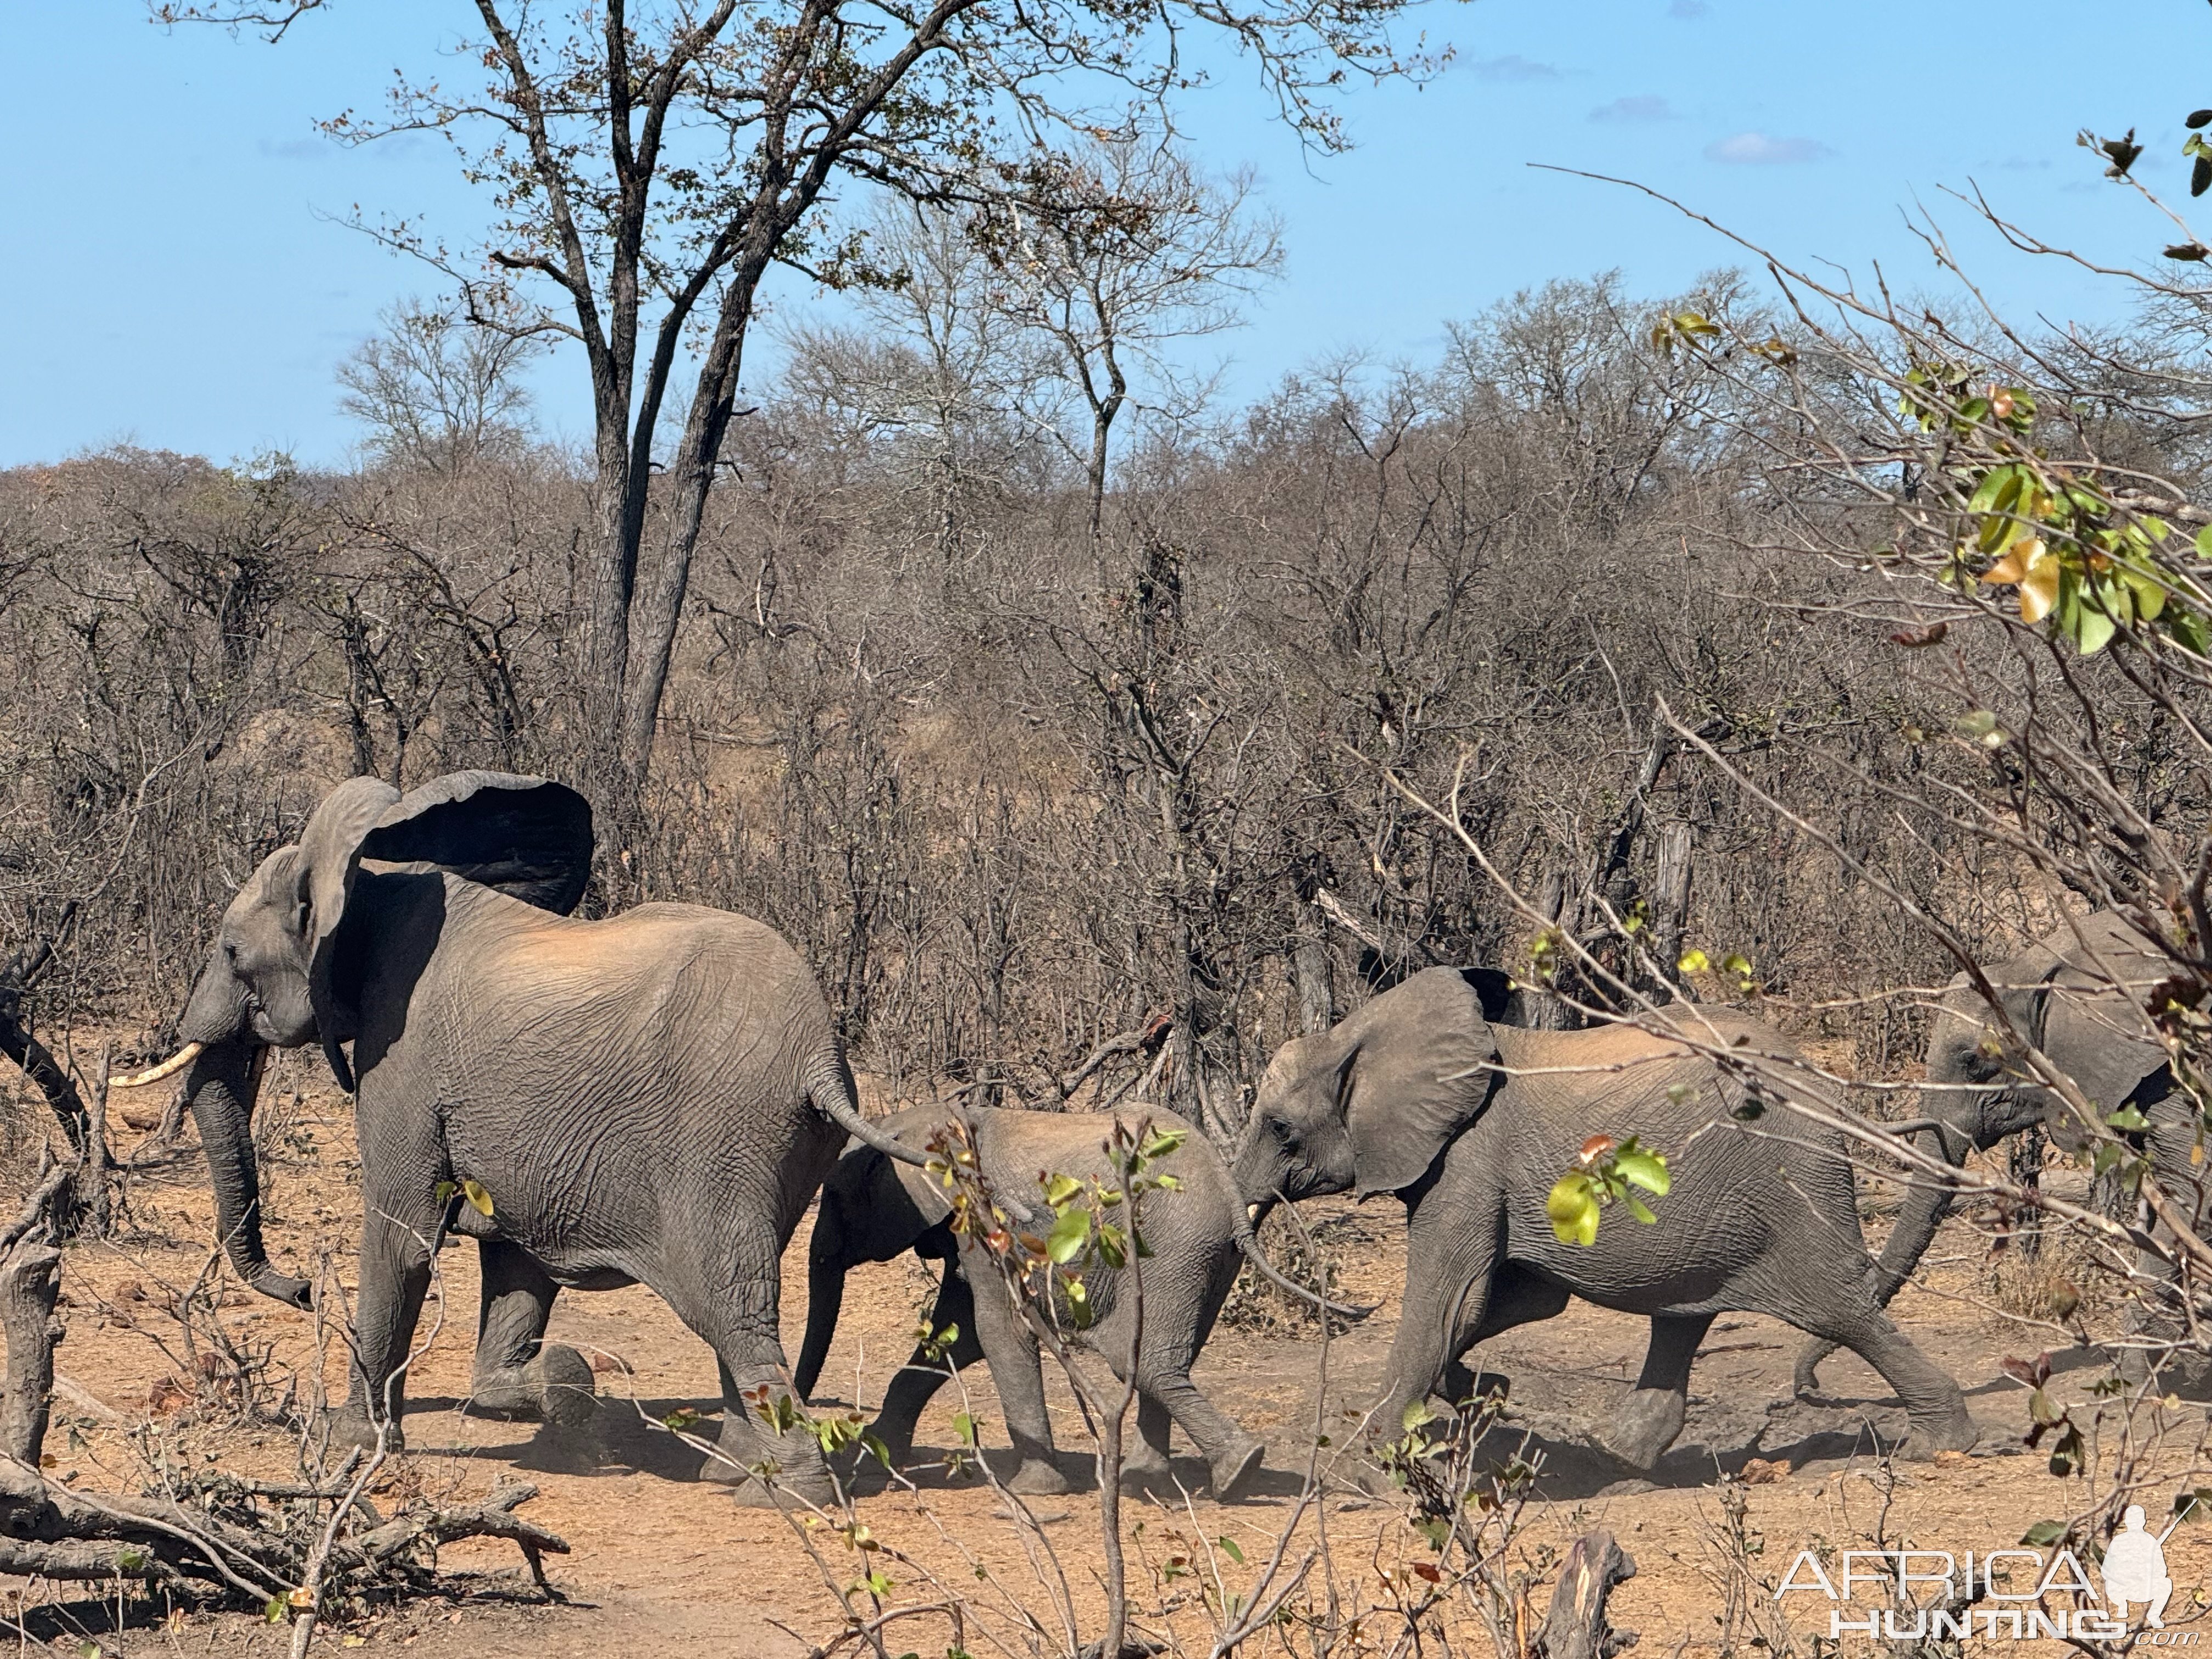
point(662, 1562)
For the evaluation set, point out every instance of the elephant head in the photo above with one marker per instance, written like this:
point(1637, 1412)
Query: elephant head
point(277, 974)
point(873, 1208)
point(2077, 996)
point(1369, 1104)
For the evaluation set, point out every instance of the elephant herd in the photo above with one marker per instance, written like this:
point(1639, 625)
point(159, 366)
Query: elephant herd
point(657, 1097)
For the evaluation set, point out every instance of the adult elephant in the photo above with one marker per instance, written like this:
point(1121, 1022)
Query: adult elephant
point(2077, 994)
point(1471, 1123)
point(652, 1098)
point(875, 1210)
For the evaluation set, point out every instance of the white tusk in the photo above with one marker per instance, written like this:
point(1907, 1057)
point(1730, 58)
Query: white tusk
point(1252, 1214)
point(169, 1067)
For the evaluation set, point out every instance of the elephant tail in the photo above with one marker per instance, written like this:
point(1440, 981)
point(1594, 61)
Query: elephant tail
point(1267, 1270)
point(829, 1091)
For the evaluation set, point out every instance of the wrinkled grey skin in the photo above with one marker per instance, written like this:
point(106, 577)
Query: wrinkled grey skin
point(2077, 995)
point(875, 1210)
point(645, 1099)
point(1406, 1097)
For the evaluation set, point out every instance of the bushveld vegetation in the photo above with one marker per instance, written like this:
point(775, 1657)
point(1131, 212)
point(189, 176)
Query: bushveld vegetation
point(1770, 642)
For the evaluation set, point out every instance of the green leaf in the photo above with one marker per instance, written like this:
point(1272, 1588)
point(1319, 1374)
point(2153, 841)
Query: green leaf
point(963, 1425)
point(479, 1200)
point(2129, 1118)
point(1642, 1168)
point(1571, 1207)
point(1163, 1141)
point(274, 1613)
point(2094, 630)
point(1417, 1412)
point(1229, 1547)
point(1068, 1236)
point(1693, 961)
point(1059, 1189)
point(2044, 1532)
point(1640, 1210)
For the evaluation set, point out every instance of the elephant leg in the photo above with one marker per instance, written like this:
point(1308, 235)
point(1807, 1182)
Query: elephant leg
point(1937, 1410)
point(1517, 1297)
point(1150, 1463)
point(729, 1296)
point(918, 1381)
point(395, 1276)
point(1452, 1253)
point(1011, 1348)
point(519, 1376)
point(1646, 1423)
point(1232, 1456)
point(2156, 1328)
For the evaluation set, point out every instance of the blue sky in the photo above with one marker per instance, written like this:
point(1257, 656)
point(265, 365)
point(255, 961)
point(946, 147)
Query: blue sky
point(179, 278)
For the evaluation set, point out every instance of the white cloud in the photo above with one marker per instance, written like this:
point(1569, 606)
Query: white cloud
point(1756, 149)
point(1513, 67)
point(1647, 106)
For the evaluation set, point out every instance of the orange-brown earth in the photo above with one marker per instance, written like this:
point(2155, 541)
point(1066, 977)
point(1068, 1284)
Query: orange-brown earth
point(662, 1562)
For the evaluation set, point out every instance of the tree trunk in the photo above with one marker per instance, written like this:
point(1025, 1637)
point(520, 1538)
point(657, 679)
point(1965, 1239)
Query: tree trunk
point(1310, 972)
point(1671, 897)
point(30, 1286)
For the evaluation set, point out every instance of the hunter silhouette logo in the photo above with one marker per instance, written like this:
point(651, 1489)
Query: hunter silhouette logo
point(2134, 1569)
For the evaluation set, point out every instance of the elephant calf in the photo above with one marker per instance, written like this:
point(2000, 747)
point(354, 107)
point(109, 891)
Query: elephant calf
point(874, 1210)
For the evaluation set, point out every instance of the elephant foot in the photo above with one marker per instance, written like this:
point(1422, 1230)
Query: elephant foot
point(1953, 1430)
point(731, 1466)
point(555, 1387)
point(1644, 1426)
point(352, 1427)
point(1233, 1469)
point(1806, 1380)
point(1148, 1471)
point(1039, 1477)
point(749, 1491)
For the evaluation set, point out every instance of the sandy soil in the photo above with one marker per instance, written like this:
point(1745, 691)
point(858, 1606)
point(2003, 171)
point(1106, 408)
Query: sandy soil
point(661, 1562)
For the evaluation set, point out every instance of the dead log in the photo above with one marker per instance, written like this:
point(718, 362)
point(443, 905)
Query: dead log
point(1576, 1627)
point(211, 1538)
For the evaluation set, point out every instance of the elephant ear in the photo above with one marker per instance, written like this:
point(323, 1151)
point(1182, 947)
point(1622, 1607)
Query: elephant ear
point(923, 1190)
point(529, 838)
point(328, 855)
point(1416, 1071)
point(2094, 1029)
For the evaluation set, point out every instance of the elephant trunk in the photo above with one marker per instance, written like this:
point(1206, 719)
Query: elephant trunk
point(220, 1086)
point(1926, 1205)
point(825, 1296)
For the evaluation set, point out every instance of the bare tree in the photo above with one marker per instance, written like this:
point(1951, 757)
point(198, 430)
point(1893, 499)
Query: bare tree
point(939, 380)
point(435, 391)
point(1113, 254)
point(650, 164)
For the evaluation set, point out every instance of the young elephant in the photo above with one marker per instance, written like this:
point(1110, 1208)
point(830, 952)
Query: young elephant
point(1470, 1123)
point(874, 1210)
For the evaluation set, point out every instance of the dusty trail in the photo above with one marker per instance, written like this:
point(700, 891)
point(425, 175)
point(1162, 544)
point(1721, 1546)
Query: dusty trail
point(661, 1559)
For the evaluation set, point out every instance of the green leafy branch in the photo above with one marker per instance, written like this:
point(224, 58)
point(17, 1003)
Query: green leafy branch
point(1604, 1173)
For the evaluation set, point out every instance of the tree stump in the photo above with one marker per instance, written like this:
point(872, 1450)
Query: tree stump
point(1576, 1627)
